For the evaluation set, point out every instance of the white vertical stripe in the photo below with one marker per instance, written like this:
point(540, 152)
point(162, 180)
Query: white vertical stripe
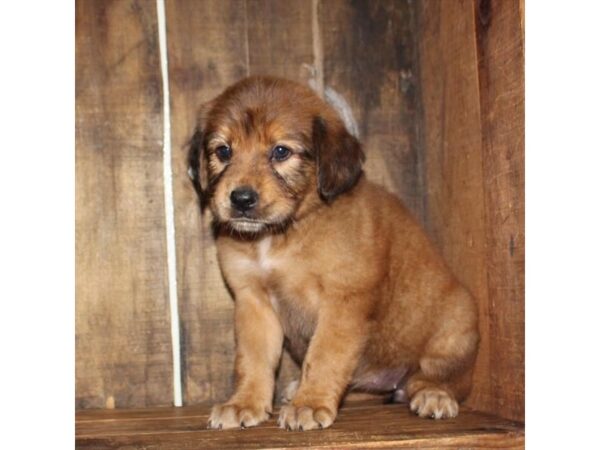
point(317, 49)
point(169, 209)
point(247, 40)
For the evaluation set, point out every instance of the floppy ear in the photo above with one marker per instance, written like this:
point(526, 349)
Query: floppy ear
point(197, 167)
point(197, 158)
point(339, 157)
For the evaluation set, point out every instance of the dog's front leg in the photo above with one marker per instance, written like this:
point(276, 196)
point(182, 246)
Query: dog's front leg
point(328, 366)
point(259, 341)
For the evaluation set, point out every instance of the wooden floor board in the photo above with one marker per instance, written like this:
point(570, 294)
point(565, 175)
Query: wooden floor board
point(359, 425)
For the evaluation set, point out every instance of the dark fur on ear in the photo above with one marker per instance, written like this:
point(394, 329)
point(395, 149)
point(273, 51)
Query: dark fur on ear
point(197, 167)
point(339, 157)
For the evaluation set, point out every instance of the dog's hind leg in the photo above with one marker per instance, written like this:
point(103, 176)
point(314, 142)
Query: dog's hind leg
point(444, 375)
point(437, 399)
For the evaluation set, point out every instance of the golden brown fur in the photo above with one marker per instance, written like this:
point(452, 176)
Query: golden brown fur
point(325, 262)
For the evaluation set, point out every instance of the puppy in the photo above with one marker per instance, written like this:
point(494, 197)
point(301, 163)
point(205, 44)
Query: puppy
point(324, 262)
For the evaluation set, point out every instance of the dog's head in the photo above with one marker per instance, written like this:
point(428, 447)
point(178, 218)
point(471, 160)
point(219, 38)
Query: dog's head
point(265, 147)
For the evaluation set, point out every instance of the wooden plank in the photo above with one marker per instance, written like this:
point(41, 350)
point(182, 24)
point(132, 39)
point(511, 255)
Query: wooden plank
point(451, 136)
point(472, 84)
point(369, 58)
point(280, 38)
point(237, 39)
point(207, 52)
point(359, 425)
point(123, 342)
point(501, 82)
point(280, 43)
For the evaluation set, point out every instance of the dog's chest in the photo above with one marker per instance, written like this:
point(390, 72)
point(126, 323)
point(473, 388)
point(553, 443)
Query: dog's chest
point(258, 264)
point(290, 289)
point(272, 265)
point(265, 259)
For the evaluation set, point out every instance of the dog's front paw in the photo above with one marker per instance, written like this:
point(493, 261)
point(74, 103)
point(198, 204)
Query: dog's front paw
point(435, 403)
point(304, 418)
point(233, 415)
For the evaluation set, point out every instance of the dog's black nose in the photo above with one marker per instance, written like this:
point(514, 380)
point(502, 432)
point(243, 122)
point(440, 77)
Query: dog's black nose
point(244, 198)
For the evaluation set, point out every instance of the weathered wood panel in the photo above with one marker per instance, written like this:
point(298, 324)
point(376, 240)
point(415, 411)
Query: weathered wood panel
point(501, 82)
point(458, 165)
point(280, 38)
point(207, 52)
point(280, 43)
point(360, 425)
point(453, 160)
point(472, 138)
point(123, 343)
point(369, 58)
point(212, 45)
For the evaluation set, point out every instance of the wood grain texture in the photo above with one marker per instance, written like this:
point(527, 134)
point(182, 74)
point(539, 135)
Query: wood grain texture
point(207, 52)
point(359, 425)
point(280, 43)
point(501, 83)
point(457, 163)
point(369, 58)
point(280, 38)
point(123, 342)
point(474, 186)
point(453, 161)
point(212, 45)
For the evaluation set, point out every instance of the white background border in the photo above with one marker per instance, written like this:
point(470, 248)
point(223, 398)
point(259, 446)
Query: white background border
point(37, 228)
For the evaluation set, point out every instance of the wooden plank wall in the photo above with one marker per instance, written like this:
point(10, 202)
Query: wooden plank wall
point(370, 58)
point(436, 90)
point(500, 46)
point(206, 51)
point(122, 313)
point(471, 73)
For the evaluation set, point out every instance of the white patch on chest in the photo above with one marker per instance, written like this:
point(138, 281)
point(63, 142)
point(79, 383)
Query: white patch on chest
point(274, 302)
point(259, 264)
point(265, 261)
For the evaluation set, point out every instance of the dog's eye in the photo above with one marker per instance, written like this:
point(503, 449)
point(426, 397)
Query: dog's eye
point(280, 153)
point(223, 153)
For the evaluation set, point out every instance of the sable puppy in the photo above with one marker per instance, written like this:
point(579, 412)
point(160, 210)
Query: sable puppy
point(324, 261)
